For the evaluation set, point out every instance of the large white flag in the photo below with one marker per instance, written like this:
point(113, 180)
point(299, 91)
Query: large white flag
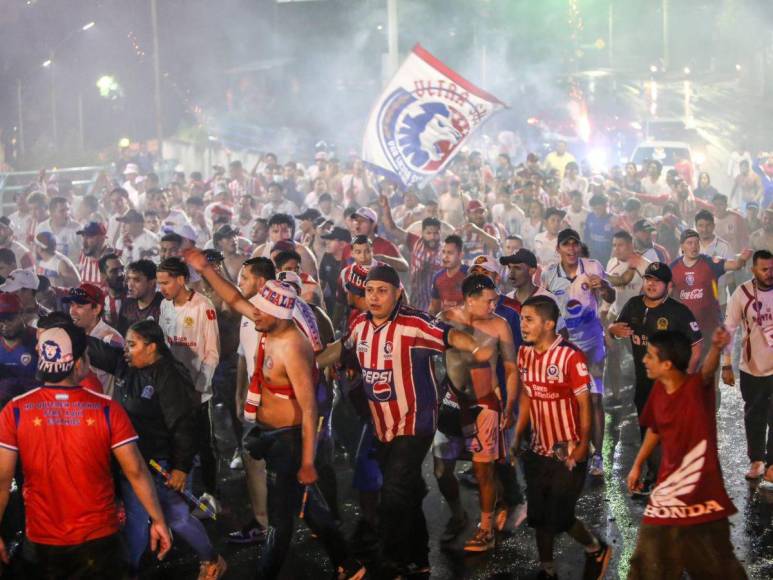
point(422, 118)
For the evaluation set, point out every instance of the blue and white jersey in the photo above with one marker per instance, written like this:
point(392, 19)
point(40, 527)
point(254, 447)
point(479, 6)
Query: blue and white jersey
point(577, 302)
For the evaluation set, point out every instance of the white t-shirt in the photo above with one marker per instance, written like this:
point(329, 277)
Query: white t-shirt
point(193, 337)
point(624, 293)
point(50, 268)
point(576, 219)
point(576, 300)
point(545, 249)
point(248, 341)
point(757, 323)
point(67, 241)
point(146, 245)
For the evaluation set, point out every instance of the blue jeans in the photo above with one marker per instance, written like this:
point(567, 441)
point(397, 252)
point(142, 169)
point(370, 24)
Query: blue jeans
point(178, 518)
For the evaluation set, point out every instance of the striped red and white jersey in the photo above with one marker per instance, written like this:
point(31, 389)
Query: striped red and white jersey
point(398, 371)
point(552, 380)
point(88, 268)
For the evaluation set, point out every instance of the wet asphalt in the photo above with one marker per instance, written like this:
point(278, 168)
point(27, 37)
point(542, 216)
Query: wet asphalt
point(605, 506)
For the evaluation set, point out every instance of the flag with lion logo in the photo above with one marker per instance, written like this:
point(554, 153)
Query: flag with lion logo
point(422, 119)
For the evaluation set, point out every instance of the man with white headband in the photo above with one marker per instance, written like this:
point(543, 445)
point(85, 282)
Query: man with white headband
point(281, 401)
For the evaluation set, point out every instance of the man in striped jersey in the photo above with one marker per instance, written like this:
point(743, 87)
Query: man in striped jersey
point(94, 247)
point(395, 345)
point(555, 400)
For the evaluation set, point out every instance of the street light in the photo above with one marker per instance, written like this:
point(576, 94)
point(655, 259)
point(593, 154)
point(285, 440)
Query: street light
point(88, 26)
point(46, 63)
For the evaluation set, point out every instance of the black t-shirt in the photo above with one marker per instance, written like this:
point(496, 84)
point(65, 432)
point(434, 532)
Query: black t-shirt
point(670, 315)
point(329, 270)
point(131, 312)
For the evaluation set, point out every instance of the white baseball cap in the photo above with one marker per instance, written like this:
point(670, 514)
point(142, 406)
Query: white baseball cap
point(184, 230)
point(367, 213)
point(19, 280)
point(131, 168)
point(487, 263)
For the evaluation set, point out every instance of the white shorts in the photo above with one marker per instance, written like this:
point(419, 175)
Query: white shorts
point(484, 446)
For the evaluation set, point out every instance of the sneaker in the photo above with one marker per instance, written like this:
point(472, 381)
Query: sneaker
point(350, 570)
point(252, 533)
point(508, 519)
point(756, 470)
point(454, 527)
point(597, 466)
point(236, 461)
point(210, 501)
point(545, 575)
point(482, 541)
point(212, 570)
point(596, 563)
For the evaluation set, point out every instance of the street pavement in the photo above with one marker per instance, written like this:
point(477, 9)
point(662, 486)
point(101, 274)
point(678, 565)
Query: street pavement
point(605, 506)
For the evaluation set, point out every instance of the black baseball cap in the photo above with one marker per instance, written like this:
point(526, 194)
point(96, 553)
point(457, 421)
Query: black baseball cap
point(643, 226)
point(687, 234)
point(551, 211)
point(658, 270)
point(224, 231)
point(339, 234)
point(568, 234)
point(310, 214)
point(522, 256)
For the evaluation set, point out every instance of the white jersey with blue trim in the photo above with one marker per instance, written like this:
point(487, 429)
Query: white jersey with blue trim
point(577, 301)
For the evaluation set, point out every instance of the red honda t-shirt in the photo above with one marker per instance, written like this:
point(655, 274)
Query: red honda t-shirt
point(696, 287)
point(689, 489)
point(65, 437)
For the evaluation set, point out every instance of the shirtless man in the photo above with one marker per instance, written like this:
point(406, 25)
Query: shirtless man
point(472, 405)
point(282, 404)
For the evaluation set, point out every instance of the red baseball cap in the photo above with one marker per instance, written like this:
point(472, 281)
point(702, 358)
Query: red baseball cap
point(10, 305)
point(474, 205)
point(86, 294)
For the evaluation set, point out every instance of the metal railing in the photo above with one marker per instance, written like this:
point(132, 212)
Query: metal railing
point(10, 183)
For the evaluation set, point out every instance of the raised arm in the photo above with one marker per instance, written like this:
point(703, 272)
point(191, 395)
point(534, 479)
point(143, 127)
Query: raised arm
point(389, 222)
point(225, 289)
point(739, 261)
point(719, 340)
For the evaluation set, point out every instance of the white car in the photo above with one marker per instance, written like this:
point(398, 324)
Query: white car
point(667, 152)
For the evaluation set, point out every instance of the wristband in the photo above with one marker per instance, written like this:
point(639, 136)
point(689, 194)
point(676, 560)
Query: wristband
point(727, 367)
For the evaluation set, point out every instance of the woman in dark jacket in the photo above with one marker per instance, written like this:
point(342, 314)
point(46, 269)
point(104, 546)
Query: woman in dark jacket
point(157, 393)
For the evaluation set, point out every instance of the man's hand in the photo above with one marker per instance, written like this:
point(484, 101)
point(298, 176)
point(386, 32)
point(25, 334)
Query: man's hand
point(383, 201)
point(634, 482)
point(195, 259)
point(595, 281)
point(507, 419)
point(579, 455)
point(727, 376)
point(307, 475)
point(160, 539)
point(720, 339)
point(746, 254)
point(620, 330)
point(176, 480)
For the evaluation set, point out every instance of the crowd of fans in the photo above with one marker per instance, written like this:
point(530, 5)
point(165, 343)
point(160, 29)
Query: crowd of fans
point(299, 288)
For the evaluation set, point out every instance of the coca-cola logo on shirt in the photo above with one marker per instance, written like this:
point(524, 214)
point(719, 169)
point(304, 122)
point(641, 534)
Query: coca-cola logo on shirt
point(694, 294)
